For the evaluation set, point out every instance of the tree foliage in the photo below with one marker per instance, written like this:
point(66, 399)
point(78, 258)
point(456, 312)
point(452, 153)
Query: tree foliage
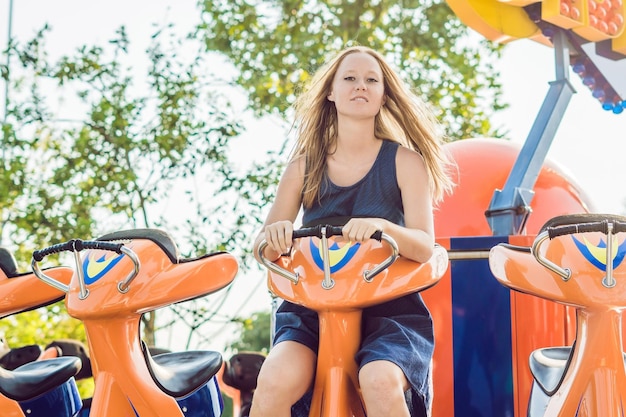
point(133, 145)
point(92, 145)
point(42, 326)
point(254, 333)
point(277, 44)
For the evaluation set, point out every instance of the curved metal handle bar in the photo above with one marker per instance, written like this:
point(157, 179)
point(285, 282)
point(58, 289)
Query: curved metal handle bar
point(328, 282)
point(77, 246)
point(291, 276)
point(124, 285)
point(564, 273)
point(369, 275)
point(47, 279)
point(606, 227)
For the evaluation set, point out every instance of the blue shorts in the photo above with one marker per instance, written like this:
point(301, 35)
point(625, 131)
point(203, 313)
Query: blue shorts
point(399, 331)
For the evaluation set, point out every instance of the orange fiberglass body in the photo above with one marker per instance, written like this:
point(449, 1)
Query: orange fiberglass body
point(585, 271)
point(482, 342)
point(23, 292)
point(116, 292)
point(340, 304)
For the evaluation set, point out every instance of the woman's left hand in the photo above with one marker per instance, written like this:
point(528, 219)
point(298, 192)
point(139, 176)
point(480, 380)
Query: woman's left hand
point(361, 229)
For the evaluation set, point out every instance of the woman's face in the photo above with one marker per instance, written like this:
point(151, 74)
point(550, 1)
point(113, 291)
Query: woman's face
point(358, 89)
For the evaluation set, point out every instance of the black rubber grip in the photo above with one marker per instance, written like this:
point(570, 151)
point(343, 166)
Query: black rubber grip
point(601, 226)
point(76, 245)
point(38, 255)
point(99, 244)
point(316, 231)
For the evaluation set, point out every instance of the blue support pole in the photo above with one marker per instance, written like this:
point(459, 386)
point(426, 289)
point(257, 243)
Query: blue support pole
point(510, 207)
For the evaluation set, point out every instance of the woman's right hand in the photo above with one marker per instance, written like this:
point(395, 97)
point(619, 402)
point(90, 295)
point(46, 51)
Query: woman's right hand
point(278, 236)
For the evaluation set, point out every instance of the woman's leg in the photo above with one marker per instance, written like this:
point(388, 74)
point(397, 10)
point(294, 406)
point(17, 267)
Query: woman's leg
point(383, 385)
point(285, 376)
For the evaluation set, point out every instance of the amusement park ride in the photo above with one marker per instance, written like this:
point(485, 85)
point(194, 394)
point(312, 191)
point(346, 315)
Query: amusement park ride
point(485, 334)
point(526, 286)
point(495, 348)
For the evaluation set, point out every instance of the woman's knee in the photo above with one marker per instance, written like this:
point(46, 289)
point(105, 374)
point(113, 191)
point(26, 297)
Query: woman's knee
point(287, 371)
point(382, 377)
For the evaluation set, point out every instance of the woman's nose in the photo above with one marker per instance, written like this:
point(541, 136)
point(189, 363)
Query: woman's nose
point(360, 85)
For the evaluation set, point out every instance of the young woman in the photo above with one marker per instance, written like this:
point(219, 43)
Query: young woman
point(368, 152)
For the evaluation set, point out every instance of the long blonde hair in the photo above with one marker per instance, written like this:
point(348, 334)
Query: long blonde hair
point(403, 118)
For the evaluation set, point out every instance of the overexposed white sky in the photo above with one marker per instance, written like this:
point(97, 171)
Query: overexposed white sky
point(590, 142)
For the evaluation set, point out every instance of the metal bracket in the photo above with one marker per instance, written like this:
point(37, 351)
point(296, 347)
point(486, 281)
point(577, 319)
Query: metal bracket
point(510, 207)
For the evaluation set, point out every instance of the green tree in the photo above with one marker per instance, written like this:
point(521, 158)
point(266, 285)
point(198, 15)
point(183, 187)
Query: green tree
point(40, 327)
point(125, 154)
point(130, 142)
point(253, 334)
point(276, 45)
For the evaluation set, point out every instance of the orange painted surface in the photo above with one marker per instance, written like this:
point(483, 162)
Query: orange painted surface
point(336, 391)
point(536, 323)
point(595, 384)
point(483, 167)
point(26, 291)
point(438, 299)
point(21, 293)
point(111, 319)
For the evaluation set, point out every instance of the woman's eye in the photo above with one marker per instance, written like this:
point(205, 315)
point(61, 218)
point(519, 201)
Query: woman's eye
point(349, 78)
point(372, 80)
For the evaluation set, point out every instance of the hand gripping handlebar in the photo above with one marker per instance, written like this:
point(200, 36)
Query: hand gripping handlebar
point(323, 232)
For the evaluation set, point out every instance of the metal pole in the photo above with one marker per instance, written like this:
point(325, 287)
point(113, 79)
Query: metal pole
point(510, 207)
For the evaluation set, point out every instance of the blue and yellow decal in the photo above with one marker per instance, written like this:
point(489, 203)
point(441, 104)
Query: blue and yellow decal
point(339, 255)
point(94, 267)
point(596, 254)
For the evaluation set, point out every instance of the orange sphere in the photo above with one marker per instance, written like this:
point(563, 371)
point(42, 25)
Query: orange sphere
point(484, 166)
point(592, 6)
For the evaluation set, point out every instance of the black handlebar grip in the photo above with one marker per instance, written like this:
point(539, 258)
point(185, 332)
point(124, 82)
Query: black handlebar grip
point(619, 227)
point(38, 255)
point(76, 245)
point(99, 244)
point(330, 231)
point(601, 226)
point(316, 231)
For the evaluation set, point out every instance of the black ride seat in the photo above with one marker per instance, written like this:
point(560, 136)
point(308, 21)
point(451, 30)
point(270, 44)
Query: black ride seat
point(163, 239)
point(179, 374)
point(548, 366)
point(8, 264)
point(242, 369)
point(36, 378)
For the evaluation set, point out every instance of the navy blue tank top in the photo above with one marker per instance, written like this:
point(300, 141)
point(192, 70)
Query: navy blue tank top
point(375, 195)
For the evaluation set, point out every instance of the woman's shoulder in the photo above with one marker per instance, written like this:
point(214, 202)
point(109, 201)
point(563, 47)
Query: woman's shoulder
point(296, 165)
point(409, 163)
point(293, 174)
point(406, 155)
